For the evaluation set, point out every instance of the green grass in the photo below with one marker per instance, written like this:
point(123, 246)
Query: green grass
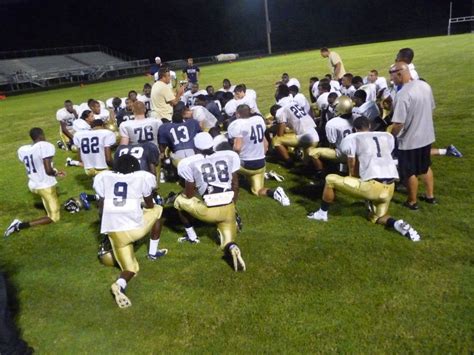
point(343, 286)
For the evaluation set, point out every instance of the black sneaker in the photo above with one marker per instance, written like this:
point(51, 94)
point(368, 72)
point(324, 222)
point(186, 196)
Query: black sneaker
point(430, 200)
point(413, 207)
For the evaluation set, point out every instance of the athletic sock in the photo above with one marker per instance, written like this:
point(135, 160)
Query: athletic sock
point(91, 198)
point(191, 233)
point(122, 283)
point(270, 193)
point(24, 225)
point(74, 162)
point(442, 151)
point(325, 206)
point(153, 247)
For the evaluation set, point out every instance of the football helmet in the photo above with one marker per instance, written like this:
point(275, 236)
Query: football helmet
point(343, 105)
point(72, 205)
point(105, 253)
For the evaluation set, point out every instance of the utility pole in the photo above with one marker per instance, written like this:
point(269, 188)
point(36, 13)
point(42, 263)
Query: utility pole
point(268, 27)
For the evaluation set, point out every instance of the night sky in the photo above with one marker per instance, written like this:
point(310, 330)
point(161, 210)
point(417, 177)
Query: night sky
point(178, 29)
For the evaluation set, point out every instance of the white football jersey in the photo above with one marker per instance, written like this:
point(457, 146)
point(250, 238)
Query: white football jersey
point(295, 82)
point(348, 91)
point(32, 156)
point(188, 98)
point(295, 117)
point(371, 91)
point(231, 89)
point(122, 194)
point(146, 100)
point(315, 90)
point(251, 94)
point(84, 106)
point(335, 86)
point(80, 125)
point(252, 132)
point(91, 145)
point(368, 109)
point(374, 152)
point(67, 117)
point(302, 101)
point(109, 105)
point(141, 131)
point(211, 173)
point(103, 115)
point(232, 105)
point(206, 119)
point(322, 101)
point(336, 129)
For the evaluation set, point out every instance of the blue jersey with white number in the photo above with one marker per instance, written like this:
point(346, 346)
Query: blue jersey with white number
point(178, 136)
point(146, 154)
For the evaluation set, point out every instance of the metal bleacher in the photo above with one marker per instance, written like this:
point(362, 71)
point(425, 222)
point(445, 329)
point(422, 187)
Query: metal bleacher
point(27, 70)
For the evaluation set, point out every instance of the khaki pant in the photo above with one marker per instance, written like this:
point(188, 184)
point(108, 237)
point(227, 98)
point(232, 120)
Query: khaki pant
point(122, 242)
point(223, 216)
point(255, 177)
point(378, 193)
point(50, 202)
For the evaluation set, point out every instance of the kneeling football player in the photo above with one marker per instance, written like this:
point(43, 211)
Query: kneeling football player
point(370, 157)
point(124, 220)
point(213, 175)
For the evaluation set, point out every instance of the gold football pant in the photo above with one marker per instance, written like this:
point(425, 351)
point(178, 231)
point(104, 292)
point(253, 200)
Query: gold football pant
point(376, 192)
point(93, 172)
point(50, 202)
point(122, 242)
point(255, 177)
point(223, 216)
point(65, 139)
point(291, 140)
point(325, 153)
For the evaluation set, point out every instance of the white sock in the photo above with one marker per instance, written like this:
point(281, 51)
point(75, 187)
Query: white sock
point(191, 233)
point(122, 283)
point(442, 151)
point(75, 162)
point(153, 247)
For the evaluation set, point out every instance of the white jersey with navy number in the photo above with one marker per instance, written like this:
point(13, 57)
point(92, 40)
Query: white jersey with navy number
point(80, 125)
point(295, 117)
point(141, 131)
point(92, 145)
point(348, 91)
point(374, 153)
point(146, 100)
point(252, 132)
point(109, 104)
point(302, 101)
point(189, 98)
point(122, 194)
point(32, 156)
point(210, 173)
point(63, 115)
point(336, 129)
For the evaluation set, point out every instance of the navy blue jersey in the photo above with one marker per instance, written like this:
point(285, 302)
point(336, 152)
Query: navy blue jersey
point(124, 115)
point(146, 153)
point(178, 136)
point(191, 72)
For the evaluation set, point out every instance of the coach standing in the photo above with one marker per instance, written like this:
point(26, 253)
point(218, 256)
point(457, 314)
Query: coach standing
point(335, 63)
point(413, 127)
point(162, 96)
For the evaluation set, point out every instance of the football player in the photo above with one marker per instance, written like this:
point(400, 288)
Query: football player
point(213, 175)
point(336, 129)
point(201, 114)
point(126, 113)
point(147, 154)
point(121, 192)
point(66, 117)
point(289, 114)
point(95, 148)
point(364, 107)
point(240, 97)
point(141, 129)
point(146, 97)
point(100, 113)
point(372, 175)
point(38, 160)
point(132, 95)
point(189, 97)
point(178, 135)
point(347, 88)
point(300, 99)
point(247, 131)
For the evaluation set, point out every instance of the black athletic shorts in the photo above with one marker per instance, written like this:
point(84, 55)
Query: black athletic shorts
point(414, 161)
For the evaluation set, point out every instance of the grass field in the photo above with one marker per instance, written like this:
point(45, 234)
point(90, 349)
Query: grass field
point(343, 286)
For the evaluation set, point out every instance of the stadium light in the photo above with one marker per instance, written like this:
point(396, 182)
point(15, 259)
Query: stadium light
point(268, 27)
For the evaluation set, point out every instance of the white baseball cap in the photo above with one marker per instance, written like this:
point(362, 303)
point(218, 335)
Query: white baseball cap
point(203, 141)
point(157, 59)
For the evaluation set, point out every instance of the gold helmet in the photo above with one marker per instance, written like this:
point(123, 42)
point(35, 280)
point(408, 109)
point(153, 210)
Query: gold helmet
point(343, 105)
point(106, 254)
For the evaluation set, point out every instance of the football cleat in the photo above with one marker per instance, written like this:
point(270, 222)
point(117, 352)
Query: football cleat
point(239, 263)
point(319, 215)
point(299, 154)
point(85, 202)
point(406, 230)
point(452, 151)
point(159, 254)
point(281, 197)
point(12, 228)
point(61, 145)
point(120, 298)
point(158, 200)
point(273, 174)
point(68, 162)
point(187, 239)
